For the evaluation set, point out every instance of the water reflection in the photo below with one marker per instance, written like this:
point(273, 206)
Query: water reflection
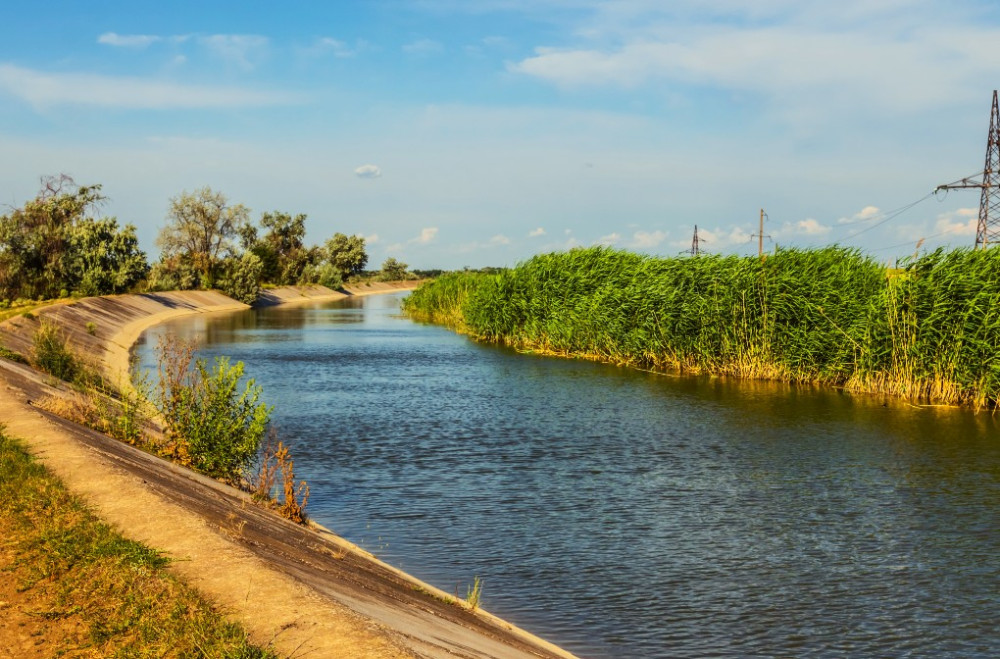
point(623, 513)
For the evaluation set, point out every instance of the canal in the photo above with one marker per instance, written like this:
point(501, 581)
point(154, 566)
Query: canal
point(628, 514)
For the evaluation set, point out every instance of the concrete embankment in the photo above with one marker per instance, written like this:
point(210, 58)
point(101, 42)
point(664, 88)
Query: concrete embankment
point(304, 590)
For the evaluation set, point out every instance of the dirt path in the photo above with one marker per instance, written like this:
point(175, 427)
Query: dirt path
point(307, 591)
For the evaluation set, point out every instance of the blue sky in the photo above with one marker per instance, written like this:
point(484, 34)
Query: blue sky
point(469, 133)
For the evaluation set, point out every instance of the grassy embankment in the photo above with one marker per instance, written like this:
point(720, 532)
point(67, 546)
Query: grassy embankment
point(927, 331)
point(76, 586)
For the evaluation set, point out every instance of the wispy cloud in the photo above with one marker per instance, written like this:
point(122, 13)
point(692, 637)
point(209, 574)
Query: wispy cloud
point(793, 57)
point(535, 233)
point(336, 47)
point(368, 171)
point(647, 239)
point(865, 214)
point(128, 40)
point(499, 240)
point(423, 47)
point(242, 50)
point(962, 222)
point(806, 227)
point(426, 236)
point(127, 93)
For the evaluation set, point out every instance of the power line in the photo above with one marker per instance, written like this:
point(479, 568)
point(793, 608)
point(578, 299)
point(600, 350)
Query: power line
point(909, 242)
point(892, 215)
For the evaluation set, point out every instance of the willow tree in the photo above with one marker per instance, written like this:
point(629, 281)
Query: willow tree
point(202, 229)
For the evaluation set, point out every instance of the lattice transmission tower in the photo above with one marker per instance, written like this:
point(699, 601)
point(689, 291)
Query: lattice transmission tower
point(988, 230)
point(696, 243)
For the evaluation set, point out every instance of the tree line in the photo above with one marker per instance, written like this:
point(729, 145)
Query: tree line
point(56, 245)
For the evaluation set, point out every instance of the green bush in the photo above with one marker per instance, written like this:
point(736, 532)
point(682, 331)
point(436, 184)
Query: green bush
point(52, 355)
point(243, 276)
point(213, 425)
point(323, 274)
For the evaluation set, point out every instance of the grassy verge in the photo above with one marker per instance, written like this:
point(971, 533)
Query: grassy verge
point(28, 307)
point(927, 331)
point(76, 587)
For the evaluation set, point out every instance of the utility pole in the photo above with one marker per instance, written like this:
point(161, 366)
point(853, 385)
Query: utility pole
point(761, 236)
point(988, 230)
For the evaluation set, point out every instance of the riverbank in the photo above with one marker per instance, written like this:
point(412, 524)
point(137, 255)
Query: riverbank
point(302, 590)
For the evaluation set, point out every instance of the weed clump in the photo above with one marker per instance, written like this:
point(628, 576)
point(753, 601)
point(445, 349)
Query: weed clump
point(212, 424)
point(52, 355)
point(276, 460)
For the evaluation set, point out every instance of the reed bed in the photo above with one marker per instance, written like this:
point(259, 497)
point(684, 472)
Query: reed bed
point(928, 330)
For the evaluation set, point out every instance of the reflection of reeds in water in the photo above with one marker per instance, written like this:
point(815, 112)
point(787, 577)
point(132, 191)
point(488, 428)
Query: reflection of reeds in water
point(929, 330)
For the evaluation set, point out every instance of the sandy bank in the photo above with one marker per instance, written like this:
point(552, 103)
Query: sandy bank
point(307, 591)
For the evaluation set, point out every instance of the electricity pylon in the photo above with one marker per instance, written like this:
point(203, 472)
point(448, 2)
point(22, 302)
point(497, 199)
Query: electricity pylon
point(988, 231)
point(695, 243)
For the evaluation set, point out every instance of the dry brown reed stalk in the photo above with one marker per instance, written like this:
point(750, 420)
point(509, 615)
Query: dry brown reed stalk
point(295, 496)
point(262, 481)
point(275, 460)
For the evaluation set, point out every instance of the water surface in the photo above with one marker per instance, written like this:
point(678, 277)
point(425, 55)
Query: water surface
point(628, 514)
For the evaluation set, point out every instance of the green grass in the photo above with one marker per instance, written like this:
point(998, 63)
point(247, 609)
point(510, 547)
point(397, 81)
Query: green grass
point(929, 330)
point(111, 596)
point(26, 308)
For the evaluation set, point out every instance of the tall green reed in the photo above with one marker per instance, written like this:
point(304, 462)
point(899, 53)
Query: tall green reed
point(929, 330)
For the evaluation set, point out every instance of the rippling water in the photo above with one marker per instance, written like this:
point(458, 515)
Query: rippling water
point(627, 514)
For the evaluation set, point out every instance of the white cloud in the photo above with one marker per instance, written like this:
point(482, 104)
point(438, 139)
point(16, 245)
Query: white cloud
point(534, 233)
point(609, 239)
point(426, 235)
point(368, 171)
point(962, 222)
point(423, 47)
point(336, 47)
point(129, 93)
point(865, 214)
point(243, 50)
point(806, 227)
point(372, 239)
point(498, 240)
point(796, 59)
point(128, 40)
point(647, 239)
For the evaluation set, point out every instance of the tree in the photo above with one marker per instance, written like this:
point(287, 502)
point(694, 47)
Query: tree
point(102, 258)
point(242, 280)
point(203, 227)
point(284, 232)
point(53, 246)
point(282, 249)
point(393, 270)
point(347, 254)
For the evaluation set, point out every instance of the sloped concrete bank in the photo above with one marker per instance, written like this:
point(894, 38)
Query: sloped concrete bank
point(304, 590)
